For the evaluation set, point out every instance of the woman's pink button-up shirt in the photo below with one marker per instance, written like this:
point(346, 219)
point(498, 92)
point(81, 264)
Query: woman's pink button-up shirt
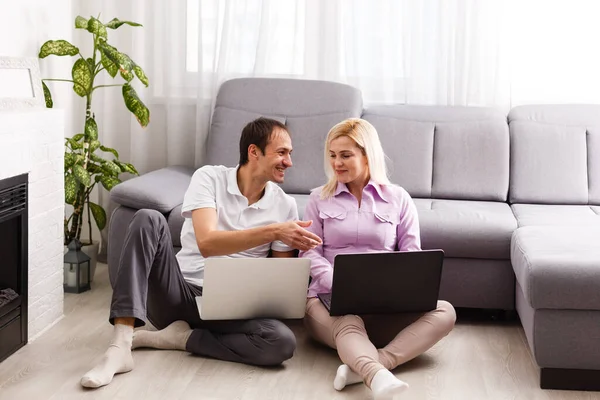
point(386, 220)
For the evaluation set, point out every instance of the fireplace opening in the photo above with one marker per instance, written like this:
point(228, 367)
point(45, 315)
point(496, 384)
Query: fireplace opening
point(13, 264)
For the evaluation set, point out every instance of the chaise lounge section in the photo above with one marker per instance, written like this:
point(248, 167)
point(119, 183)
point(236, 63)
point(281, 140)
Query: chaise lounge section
point(555, 252)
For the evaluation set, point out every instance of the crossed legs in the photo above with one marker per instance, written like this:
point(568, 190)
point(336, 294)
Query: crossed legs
point(400, 338)
point(149, 286)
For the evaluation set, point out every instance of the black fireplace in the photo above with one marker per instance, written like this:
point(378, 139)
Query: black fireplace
point(13, 264)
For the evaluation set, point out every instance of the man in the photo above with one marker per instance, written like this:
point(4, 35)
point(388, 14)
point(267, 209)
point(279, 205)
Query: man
point(236, 212)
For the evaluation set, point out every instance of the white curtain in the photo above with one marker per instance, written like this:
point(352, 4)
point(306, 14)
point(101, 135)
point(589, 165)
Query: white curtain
point(494, 53)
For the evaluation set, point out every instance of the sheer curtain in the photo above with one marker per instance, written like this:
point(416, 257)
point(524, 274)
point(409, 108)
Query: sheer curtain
point(494, 53)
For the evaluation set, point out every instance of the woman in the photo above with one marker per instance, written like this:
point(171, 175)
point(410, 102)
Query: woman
point(359, 194)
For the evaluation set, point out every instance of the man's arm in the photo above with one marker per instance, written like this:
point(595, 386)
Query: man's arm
point(213, 242)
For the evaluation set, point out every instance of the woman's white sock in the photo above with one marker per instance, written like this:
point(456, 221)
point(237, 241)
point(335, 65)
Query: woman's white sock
point(385, 386)
point(345, 376)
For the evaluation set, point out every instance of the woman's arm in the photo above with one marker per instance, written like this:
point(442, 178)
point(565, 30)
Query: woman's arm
point(408, 230)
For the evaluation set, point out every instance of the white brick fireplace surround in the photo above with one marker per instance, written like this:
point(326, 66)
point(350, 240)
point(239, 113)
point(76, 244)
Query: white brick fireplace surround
point(32, 142)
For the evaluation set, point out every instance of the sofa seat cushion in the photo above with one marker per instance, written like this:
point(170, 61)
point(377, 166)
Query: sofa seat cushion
point(558, 267)
point(545, 214)
point(466, 229)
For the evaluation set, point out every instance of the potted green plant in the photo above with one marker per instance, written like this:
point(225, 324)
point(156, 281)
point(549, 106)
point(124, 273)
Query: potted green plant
point(87, 161)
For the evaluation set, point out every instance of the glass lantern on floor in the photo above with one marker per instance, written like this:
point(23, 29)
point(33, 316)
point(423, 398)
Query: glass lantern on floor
point(76, 269)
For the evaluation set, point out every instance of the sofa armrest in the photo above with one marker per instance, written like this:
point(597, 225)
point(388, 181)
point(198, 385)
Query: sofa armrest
point(160, 190)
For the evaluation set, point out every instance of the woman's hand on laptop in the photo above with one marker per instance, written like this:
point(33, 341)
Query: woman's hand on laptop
point(294, 235)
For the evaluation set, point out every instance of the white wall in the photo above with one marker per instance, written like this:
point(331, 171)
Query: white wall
point(24, 26)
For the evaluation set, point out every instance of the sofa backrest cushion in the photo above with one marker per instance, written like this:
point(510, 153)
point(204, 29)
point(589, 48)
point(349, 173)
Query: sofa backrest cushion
point(555, 154)
point(308, 109)
point(445, 152)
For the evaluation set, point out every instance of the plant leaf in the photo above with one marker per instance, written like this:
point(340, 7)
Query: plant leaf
point(97, 28)
point(94, 144)
point(131, 169)
point(91, 129)
point(70, 189)
point(96, 170)
point(109, 182)
point(58, 48)
point(139, 72)
point(81, 23)
point(82, 76)
point(97, 159)
point(115, 23)
point(78, 137)
point(122, 61)
point(126, 66)
point(135, 105)
point(82, 175)
point(70, 159)
point(111, 168)
point(111, 53)
point(126, 167)
point(74, 144)
point(47, 96)
point(108, 65)
point(99, 214)
point(109, 150)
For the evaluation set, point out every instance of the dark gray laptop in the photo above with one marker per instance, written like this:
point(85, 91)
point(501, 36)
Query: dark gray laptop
point(385, 283)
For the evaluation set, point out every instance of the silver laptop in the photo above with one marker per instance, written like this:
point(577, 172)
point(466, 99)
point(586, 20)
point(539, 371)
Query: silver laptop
point(248, 288)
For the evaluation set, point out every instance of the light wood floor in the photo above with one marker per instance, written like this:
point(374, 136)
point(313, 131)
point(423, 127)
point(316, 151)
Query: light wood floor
point(478, 360)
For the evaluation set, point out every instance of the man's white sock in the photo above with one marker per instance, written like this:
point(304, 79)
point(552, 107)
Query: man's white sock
point(385, 386)
point(345, 376)
point(116, 360)
point(173, 337)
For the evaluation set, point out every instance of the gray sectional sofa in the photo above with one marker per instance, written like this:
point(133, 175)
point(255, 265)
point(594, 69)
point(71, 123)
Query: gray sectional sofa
point(513, 200)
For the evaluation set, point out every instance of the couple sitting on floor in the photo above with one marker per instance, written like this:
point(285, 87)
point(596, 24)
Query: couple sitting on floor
point(242, 211)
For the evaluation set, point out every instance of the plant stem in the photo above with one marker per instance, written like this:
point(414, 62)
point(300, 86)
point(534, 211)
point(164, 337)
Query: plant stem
point(87, 201)
point(75, 231)
point(60, 80)
point(83, 58)
point(80, 222)
point(101, 86)
point(67, 80)
point(66, 231)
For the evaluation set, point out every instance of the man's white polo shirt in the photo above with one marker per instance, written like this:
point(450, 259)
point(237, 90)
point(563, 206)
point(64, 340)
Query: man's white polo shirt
point(216, 187)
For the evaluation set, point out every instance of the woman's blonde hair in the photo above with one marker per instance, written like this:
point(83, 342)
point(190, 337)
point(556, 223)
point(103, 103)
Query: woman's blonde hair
point(367, 140)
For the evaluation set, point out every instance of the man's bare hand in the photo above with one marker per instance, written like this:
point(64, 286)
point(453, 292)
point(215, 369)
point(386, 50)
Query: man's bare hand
point(294, 235)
